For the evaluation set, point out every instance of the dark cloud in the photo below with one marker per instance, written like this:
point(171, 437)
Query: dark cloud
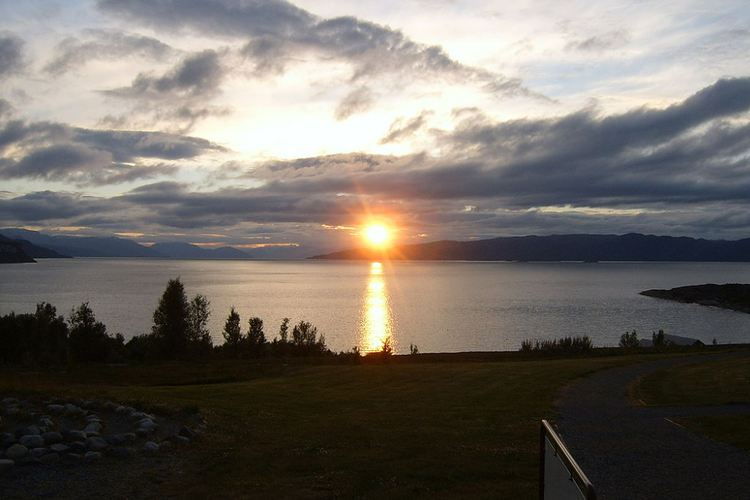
point(684, 169)
point(104, 44)
point(179, 96)
point(11, 54)
point(48, 206)
point(197, 75)
point(357, 101)
point(275, 29)
point(52, 151)
point(401, 130)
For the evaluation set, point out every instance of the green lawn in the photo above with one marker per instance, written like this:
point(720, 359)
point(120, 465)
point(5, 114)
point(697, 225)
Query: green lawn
point(437, 430)
point(712, 383)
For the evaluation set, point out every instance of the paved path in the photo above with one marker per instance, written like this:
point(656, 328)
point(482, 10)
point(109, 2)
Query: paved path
point(631, 452)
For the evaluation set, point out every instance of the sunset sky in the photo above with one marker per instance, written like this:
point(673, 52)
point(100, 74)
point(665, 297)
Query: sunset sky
point(261, 122)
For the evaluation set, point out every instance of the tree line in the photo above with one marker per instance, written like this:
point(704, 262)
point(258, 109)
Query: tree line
point(179, 332)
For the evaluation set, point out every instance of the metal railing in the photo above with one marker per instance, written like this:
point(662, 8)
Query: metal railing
point(560, 476)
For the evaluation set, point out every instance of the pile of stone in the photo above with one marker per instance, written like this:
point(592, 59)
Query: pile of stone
point(44, 431)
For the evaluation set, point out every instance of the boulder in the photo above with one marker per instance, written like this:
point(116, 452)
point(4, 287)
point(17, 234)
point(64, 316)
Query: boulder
point(60, 448)
point(92, 456)
point(150, 448)
point(16, 452)
point(96, 444)
point(74, 436)
point(32, 441)
point(119, 452)
point(52, 438)
point(188, 433)
point(93, 427)
point(6, 464)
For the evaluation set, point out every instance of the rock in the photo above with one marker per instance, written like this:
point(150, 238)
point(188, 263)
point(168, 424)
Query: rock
point(188, 433)
point(138, 415)
point(71, 457)
point(130, 437)
point(77, 447)
point(60, 448)
point(93, 427)
point(150, 448)
point(32, 430)
point(38, 452)
point(9, 401)
point(93, 417)
point(182, 440)
point(6, 464)
point(16, 452)
point(148, 425)
point(55, 408)
point(115, 439)
point(92, 456)
point(52, 438)
point(71, 407)
point(50, 459)
point(47, 422)
point(74, 436)
point(96, 444)
point(32, 441)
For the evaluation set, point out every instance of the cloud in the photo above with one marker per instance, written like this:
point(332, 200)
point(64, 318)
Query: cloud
point(49, 206)
point(600, 43)
point(275, 29)
point(666, 171)
point(11, 54)
point(53, 151)
point(357, 101)
point(401, 130)
point(180, 95)
point(73, 52)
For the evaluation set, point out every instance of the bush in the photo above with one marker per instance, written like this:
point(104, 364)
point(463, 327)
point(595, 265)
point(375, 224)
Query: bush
point(562, 345)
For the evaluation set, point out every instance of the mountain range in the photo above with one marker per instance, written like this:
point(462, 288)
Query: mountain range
point(40, 245)
point(575, 247)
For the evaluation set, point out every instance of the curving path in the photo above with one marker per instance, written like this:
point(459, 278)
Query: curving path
point(630, 452)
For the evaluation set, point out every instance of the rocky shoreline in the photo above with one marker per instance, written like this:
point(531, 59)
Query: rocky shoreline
point(734, 296)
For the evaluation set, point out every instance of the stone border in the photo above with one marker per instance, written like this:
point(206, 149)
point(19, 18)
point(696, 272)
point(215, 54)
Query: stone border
point(37, 431)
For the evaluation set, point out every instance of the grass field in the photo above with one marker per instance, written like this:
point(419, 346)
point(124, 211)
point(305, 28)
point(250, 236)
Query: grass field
point(441, 428)
point(712, 383)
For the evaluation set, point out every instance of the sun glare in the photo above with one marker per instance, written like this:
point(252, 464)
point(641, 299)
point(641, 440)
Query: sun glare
point(377, 234)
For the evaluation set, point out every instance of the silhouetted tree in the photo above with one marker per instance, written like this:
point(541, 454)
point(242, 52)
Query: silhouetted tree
point(256, 338)
point(629, 340)
point(305, 341)
point(199, 337)
point(659, 339)
point(52, 334)
point(233, 334)
point(171, 322)
point(88, 339)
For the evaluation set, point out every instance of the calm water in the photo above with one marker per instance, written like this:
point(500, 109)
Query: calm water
point(439, 306)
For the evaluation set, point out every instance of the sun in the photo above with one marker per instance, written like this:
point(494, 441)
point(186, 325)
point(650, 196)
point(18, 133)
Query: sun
point(377, 234)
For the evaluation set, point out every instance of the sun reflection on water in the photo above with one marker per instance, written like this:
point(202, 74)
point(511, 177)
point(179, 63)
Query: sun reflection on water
point(377, 319)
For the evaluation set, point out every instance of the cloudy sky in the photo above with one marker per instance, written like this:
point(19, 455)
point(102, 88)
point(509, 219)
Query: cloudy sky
point(291, 125)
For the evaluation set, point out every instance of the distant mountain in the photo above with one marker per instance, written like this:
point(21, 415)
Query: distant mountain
point(188, 251)
point(11, 252)
point(575, 247)
point(35, 251)
point(83, 246)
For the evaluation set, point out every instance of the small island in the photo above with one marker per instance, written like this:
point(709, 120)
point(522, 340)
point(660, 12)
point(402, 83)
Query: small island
point(734, 296)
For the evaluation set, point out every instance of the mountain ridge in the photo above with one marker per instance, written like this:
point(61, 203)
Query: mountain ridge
point(571, 247)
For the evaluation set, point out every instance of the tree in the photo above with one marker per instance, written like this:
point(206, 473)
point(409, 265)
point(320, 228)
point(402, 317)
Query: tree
point(305, 341)
point(199, 337)
point(88, 339)
point(49, 336)
point(233, 334)
point(659, 340)
point(629, 340)
point(171, 324)
point(256, 338)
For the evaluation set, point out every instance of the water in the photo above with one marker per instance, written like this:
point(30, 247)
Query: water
point(438, 306)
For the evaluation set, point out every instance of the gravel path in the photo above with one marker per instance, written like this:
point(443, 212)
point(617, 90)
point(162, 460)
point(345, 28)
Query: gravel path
point(630, 452)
